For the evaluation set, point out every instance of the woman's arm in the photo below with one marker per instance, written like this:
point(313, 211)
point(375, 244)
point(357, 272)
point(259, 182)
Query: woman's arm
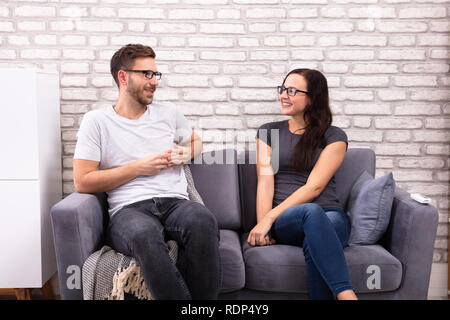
point(326, 166)
point(265, 188)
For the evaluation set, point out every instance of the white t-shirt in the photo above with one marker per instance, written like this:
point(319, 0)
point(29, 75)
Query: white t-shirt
point(113, 140)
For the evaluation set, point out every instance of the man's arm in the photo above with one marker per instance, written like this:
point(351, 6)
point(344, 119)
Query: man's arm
point(183, 153)
point(196, 145)
point(88, 179)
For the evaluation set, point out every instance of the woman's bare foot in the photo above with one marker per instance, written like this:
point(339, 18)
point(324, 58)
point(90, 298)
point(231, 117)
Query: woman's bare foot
point(347, 295)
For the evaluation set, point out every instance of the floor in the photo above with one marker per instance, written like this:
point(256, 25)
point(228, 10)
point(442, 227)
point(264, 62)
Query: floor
point(35, 295)
point(437, 289)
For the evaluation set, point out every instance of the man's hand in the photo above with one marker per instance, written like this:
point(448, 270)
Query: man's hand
point(259, 234)
point(152, 164)
point(179, 155)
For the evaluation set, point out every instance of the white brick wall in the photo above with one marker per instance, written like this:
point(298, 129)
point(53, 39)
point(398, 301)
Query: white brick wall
point(387, 62)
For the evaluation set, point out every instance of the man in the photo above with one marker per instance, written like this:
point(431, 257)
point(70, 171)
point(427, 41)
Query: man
point(135, 151)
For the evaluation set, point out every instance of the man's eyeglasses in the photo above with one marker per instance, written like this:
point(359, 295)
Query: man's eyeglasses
point(290, 91)
point(148, 73)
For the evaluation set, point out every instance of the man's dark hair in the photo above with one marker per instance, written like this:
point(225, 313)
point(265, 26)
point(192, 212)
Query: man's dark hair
point(125, 56)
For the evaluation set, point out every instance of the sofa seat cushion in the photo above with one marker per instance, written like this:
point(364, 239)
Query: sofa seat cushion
point(282, 268)
point(233, 270)
point(373, 269)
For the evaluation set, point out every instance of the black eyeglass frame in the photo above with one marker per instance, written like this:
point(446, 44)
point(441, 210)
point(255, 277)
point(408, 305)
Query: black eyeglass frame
point(157, 74)
point(290, 91)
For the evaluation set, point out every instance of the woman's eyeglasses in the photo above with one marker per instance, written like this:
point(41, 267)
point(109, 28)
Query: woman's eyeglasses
point(290, 91)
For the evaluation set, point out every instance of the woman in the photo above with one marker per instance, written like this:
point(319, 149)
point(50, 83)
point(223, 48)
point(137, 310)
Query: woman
point(298, 204)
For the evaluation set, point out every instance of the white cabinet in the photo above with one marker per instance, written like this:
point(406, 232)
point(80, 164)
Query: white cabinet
point(30, 175)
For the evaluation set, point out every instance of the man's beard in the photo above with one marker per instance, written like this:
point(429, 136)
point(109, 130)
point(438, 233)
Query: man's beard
point(138, 94)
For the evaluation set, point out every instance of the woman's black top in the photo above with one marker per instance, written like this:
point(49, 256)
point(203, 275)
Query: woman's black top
point(287, 180)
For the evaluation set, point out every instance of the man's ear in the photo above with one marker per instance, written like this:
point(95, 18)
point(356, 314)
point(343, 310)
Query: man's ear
point(121, 76)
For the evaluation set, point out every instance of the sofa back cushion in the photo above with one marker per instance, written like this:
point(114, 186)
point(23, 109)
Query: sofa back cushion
point(215, 176)
point(355, 162)
point(248, 181)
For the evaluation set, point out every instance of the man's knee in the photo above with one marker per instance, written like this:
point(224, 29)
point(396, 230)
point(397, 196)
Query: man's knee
point(201, 220)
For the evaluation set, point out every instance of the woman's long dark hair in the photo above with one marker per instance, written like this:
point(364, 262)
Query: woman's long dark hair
point(317, 116)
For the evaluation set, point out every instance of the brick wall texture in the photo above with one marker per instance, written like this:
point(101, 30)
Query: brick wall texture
point(387, 63)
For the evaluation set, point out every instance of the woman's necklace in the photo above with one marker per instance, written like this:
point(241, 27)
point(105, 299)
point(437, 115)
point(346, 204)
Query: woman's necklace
point(298, 129)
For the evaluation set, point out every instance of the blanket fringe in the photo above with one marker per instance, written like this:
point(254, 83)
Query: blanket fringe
point(129, 280)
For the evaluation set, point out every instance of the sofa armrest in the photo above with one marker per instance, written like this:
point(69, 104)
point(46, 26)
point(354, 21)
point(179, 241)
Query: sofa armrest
point(79, 223)
point(410, 238)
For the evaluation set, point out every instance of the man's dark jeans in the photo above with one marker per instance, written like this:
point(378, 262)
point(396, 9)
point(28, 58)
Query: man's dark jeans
point(141, 230)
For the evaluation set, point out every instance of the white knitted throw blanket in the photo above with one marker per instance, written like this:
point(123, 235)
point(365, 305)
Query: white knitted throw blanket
point(108, 275)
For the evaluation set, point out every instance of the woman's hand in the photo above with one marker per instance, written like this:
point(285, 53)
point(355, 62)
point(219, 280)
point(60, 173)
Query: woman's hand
point(259, 234)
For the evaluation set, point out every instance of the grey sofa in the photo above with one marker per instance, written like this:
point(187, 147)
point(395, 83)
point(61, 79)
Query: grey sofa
point(401, 260)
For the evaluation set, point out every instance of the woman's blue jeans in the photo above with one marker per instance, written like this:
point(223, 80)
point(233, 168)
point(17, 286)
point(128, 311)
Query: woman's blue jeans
point(322, 233)
point(141, 230)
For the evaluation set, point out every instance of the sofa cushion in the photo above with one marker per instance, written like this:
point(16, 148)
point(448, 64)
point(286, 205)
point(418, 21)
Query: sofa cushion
point(356, 161)
point(233, 270)
point(373, 269)
point(217, 184)
point(370, 207)
point(278, 268)
point(282, 268)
